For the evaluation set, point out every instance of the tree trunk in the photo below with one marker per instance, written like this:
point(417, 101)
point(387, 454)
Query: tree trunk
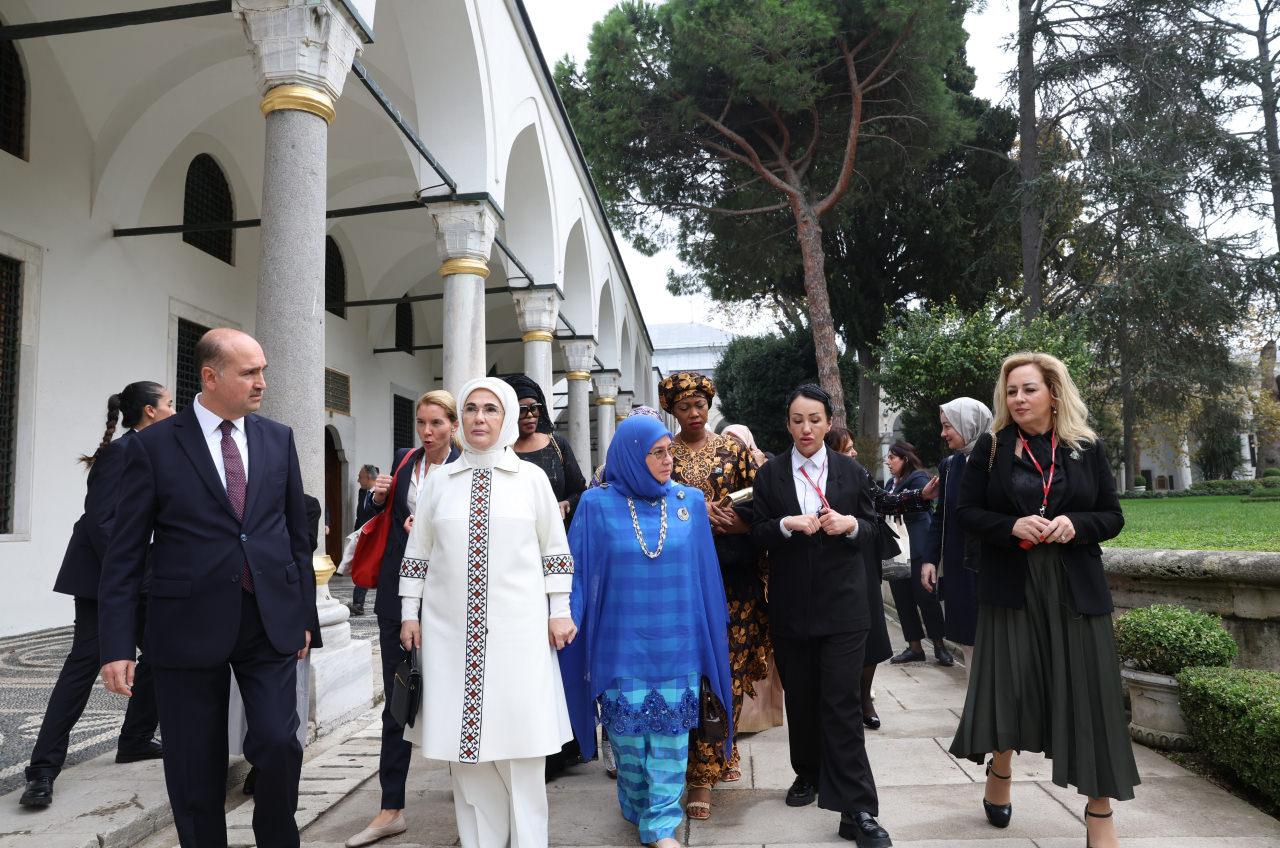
point(1030, 221)
point(809, 234)
point(1268, 448)
point(1128, 418)
point(868, 395)
point(1267, 87)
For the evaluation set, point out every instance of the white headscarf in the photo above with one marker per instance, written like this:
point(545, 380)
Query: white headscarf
point(508, 433)
point(970, 418)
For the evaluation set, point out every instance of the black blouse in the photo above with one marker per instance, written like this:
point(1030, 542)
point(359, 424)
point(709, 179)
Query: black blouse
point(566, 477)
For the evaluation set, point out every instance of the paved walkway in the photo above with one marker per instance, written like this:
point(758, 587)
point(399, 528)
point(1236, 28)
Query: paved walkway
point(928, 799)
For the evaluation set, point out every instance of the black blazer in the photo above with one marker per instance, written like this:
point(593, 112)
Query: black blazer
point(1087, 495)
point(170, 487)
point(82, 563)
point(817, 584)
point(386, 603)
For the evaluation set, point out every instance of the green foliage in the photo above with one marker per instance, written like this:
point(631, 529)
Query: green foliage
point(1271, 472)
point(755, 375)
point(1192, 523)
point(1217, 431)
point(1234, 716)
point(1139, 480)
point(1165, 639)
point(1224, 487)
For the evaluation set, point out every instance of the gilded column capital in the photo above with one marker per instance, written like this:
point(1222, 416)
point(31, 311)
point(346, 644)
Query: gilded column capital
point(300, 44)
point(625, 401)
point(465, 265)
point(606, 385)
point(536, 312)
point(464, 231)
point(580, 355)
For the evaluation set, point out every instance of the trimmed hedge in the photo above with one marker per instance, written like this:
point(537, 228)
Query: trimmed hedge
point(1234, 716)
point(1166, 638)
point(1225, 487)
point(1271, 472)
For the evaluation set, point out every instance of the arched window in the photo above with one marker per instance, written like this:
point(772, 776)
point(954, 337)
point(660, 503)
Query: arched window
point(335, 278)
point(208, 201)
point(404, 326)
point(13, 101)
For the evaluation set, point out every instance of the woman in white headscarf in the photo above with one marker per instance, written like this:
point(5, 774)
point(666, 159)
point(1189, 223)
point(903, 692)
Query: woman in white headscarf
point(484, 591)
point(963, 421)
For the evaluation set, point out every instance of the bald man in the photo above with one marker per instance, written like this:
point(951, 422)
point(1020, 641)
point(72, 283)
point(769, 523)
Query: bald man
point(232, 590)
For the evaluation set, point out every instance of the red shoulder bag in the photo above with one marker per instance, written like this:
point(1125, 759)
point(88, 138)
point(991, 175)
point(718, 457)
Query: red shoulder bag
point(371, 545)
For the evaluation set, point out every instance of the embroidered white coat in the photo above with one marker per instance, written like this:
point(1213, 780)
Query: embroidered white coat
point(488, 545)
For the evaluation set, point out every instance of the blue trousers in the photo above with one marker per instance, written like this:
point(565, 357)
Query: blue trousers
point(650, 780)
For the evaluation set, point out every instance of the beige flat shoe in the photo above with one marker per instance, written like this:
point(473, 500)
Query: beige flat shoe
point(370, 835)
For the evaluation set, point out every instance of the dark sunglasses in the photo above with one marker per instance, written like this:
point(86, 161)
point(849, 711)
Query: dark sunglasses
point(531, 410)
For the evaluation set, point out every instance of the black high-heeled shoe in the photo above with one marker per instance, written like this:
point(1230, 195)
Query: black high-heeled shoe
point(1087, 814)
point(998, 814)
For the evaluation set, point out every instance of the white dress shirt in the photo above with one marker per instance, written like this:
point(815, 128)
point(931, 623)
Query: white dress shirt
point(807, 496)
point(211, 427)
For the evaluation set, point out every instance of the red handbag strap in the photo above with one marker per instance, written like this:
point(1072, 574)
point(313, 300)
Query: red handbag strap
point(391, 490)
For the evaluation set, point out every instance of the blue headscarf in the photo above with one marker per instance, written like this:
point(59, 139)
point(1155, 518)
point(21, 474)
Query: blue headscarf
point(628, 471)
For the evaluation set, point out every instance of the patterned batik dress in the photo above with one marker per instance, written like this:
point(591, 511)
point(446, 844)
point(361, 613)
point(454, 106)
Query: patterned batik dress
point(720, 467)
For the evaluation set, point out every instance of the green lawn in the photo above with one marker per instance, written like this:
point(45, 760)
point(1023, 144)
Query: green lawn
point(1208, 523)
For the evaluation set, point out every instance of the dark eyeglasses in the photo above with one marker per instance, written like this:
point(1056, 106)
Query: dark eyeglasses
point(531, 410)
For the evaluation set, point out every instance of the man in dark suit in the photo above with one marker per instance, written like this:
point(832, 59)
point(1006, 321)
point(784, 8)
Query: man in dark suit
point(814, 514)
point(232, 590)
point(365, 478)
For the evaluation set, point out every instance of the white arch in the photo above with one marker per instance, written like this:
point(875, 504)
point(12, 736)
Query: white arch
point(530, 221)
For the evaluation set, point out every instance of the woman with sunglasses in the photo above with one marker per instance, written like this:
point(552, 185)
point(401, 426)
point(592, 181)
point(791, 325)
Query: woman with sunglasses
point(539, 445)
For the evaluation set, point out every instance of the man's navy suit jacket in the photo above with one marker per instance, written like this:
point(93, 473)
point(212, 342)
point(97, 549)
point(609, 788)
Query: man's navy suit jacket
point(171, 488)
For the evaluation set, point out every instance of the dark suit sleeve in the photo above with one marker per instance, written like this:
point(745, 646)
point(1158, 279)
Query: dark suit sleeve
point(1106, 520)
point(995, 528)
point(767, 509)
point(124, 566)
point(864, 509)
point(104, 492)
point(933, 544)
point(295, 506)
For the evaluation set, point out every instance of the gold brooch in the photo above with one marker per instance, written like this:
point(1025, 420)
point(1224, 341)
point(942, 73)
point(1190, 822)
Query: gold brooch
point(682, 514)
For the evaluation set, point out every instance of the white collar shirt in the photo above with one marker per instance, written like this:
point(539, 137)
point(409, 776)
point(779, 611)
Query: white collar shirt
point(816, 467)
point(211, 428)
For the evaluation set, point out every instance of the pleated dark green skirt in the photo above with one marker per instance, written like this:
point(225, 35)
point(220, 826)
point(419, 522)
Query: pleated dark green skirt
point(1047, 680)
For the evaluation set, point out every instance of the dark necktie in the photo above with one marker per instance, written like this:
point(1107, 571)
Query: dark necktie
point(233, 467)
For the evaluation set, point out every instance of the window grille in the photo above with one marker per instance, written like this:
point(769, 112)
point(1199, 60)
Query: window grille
point(404, 326)
point(335, 278)
point(337, 391)
point(208, 201)
point(401, 422)
point(10, 333)
point(187, 379)
point(13, 101)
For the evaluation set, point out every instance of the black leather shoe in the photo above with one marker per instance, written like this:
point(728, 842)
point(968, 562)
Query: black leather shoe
point(943, 656)
point(865, 830)
point(998, 814)
point(356, 609)
point(801, 793)
point(39, 793)
point(250, 781)
point(908, 655)
point(871, 722)
point(152, 751)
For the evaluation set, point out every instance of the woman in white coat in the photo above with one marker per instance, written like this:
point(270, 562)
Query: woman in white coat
point(484, 592)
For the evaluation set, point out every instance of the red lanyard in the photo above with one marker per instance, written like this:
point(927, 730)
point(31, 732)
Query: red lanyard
point(1046, 483)
point(821, 496)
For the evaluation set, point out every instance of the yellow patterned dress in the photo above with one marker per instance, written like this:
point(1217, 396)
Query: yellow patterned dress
point(721, 466)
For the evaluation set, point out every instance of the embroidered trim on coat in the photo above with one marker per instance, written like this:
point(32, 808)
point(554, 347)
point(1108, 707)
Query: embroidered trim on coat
point(557, 564)
point(477, 614)
point(410, 567)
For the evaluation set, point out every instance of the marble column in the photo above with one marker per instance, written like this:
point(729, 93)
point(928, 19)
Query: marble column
point(464, 238)
point(606, 383)
point(580, 355)
point(626, 400)
point(536, 312)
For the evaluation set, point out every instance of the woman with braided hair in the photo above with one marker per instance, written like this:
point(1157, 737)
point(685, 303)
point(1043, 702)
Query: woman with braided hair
point(139, 405)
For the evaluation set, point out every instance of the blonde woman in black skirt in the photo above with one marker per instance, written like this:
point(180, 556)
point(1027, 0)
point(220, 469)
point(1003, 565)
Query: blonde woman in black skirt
point(1045, 677)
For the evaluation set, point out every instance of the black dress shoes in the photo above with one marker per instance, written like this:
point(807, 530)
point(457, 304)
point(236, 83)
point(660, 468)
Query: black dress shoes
point(909, 654)
point(151, 751)
point(801, 793)
point(39, 793)
point(871, 722)
point(865, 830)
point(943, 656)
point(998, 814)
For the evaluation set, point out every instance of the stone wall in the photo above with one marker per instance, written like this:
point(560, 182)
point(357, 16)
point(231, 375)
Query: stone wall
point(1242, 587)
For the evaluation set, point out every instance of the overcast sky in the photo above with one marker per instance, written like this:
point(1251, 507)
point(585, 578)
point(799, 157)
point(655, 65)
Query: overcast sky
point(564, 28)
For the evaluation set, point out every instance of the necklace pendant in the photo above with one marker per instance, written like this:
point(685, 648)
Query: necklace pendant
point(682, 514)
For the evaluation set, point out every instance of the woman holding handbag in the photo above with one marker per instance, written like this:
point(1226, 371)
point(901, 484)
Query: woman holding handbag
point(910, 597)
point(650, 607)
point(436, 422)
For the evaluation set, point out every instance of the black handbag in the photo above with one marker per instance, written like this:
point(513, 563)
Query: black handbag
point(406, 690)
point(713, 721)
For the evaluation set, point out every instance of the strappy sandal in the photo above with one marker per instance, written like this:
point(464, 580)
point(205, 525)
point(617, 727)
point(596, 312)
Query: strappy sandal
point(731, 776)
point(1089, 815)
point(698, 810)
point(998, 814)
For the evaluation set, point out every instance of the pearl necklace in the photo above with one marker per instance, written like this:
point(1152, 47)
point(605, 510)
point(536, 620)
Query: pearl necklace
point(662, 529)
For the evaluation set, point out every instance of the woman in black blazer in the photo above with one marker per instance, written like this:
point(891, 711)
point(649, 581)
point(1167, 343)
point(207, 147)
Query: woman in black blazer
point(436, 421)
point(139, 405)
point(1039, 496)
point(914, 603)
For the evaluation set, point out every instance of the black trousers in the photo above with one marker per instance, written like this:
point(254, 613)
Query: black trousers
point(821, 677)
point(914, 602)
point(394, 758)
point(71, 694)
point(193, 718)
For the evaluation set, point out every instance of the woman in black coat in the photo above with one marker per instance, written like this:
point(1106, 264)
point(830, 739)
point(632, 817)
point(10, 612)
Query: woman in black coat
point(1040, 497)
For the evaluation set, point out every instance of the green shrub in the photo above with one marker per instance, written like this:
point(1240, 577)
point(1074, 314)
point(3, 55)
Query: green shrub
point(1164, 639)
point(1260, 498)
point(1138, 480)
point(1271, 472)
point(1272, 482)
point(1225, 487)
point(1234, 715)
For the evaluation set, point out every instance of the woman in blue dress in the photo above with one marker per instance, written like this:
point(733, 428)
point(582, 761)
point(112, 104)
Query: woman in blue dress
point(650, 607)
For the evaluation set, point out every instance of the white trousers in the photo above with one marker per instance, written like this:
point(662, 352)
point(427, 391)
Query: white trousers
point(501, 803)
